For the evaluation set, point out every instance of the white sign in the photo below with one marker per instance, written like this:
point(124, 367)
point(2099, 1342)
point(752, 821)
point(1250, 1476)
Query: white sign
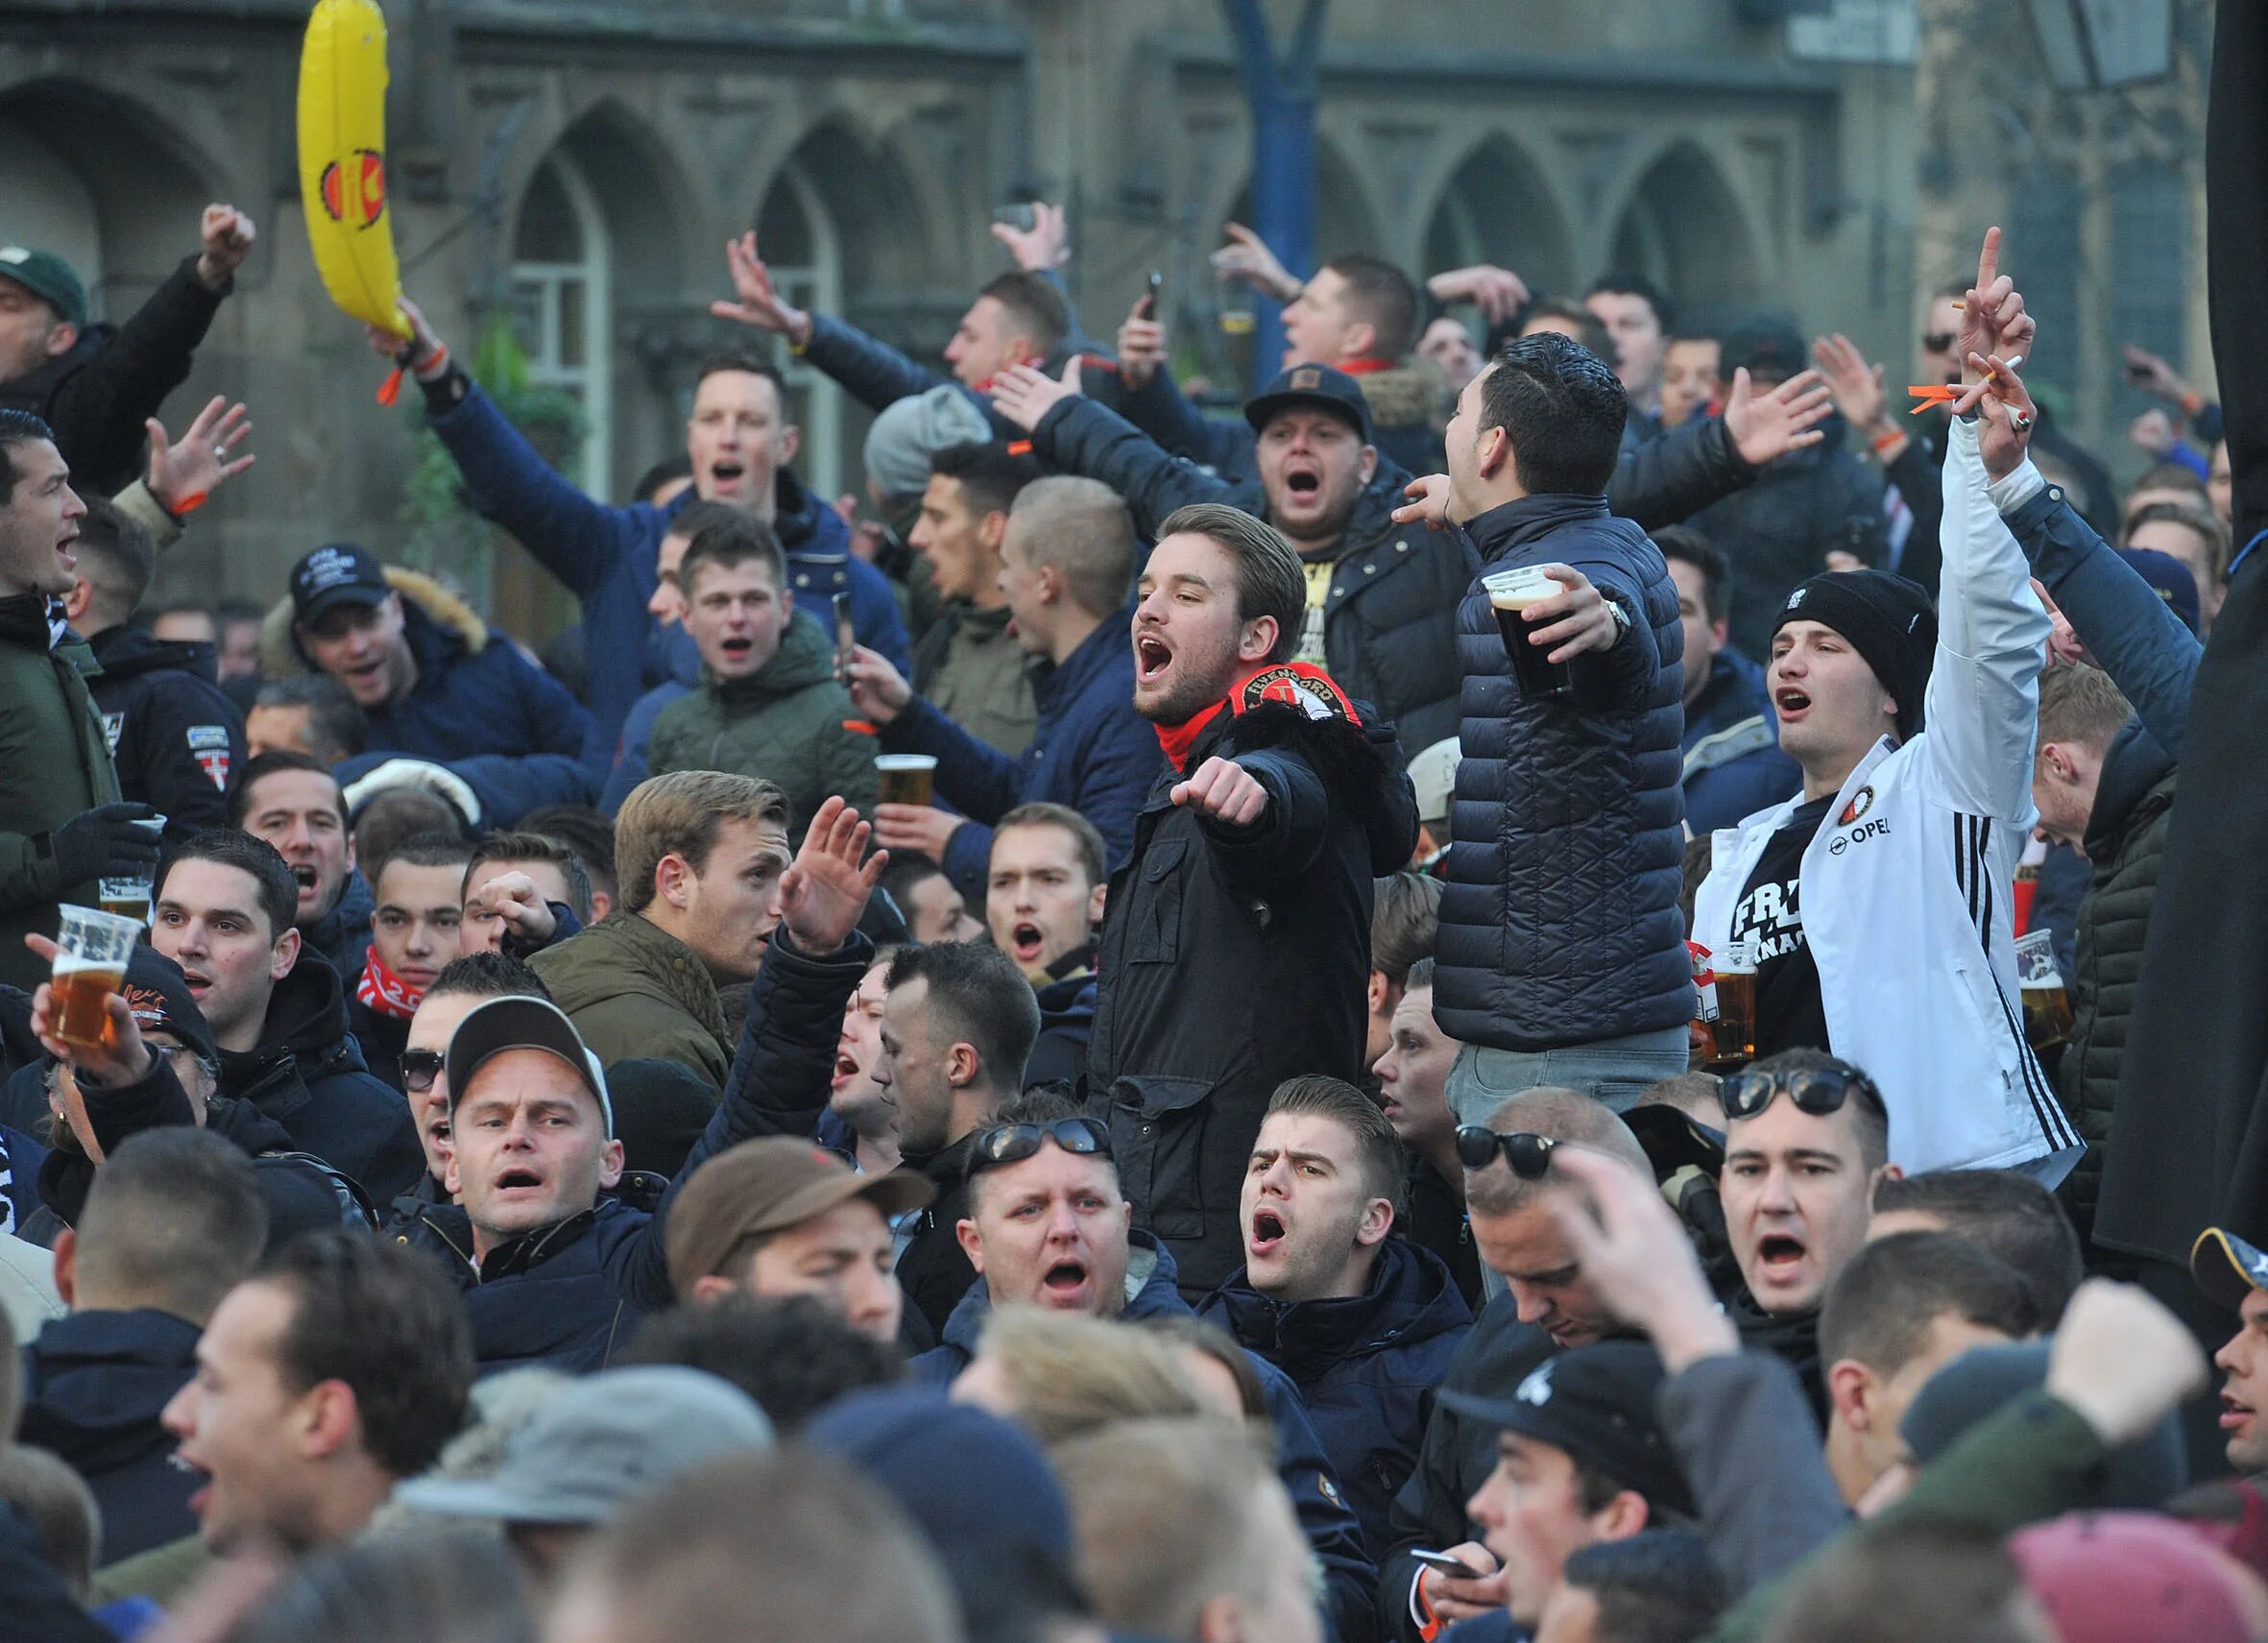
point(1859, 31)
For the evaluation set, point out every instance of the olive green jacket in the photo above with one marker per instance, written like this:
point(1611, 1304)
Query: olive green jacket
point(635, 991)
point(55, 761)
point(785, 722)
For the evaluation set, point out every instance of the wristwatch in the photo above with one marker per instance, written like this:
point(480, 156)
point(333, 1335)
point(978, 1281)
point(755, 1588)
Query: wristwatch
point(1622, 618)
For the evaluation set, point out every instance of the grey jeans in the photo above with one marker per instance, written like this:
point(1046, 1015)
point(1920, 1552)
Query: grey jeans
point(1615, 1070)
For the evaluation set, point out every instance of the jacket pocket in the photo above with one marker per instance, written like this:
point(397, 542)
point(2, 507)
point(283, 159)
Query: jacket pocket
point(1154, 933)
point(1157, 1135)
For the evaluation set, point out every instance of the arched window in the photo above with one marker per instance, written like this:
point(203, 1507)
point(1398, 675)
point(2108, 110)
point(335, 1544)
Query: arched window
point(562, 302)
point(798, 240)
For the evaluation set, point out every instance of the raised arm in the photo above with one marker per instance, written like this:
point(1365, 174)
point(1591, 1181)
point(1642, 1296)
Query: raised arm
point(1078, 436)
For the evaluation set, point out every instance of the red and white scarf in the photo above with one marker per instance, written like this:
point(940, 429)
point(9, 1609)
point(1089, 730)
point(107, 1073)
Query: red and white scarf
point(385, 992)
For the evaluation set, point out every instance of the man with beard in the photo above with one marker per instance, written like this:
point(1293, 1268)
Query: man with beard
point(1235, 942)
point(740, 443)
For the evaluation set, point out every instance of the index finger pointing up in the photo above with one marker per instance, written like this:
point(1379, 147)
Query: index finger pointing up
point(1989, 259)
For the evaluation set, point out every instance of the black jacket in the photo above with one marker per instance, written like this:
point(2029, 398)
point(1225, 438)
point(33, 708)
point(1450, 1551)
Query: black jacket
point(1779, 530)
point(571, 1294)
point(1560, 921)
point(1389, 626)
point(1455, 1456)
point(1234, 958)
point(97, 395)
point(933, 1269)
point(381, 1038)
point(174, 737)
point(94, 1385)
point(1367, 1367)
point(2125, 849)
point(308, 1074)
point(38, 1609)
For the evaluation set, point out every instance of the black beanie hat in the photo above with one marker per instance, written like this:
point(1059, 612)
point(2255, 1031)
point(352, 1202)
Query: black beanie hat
point(1888, 620)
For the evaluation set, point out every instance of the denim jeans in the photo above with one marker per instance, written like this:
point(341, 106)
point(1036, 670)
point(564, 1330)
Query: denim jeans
point(1615, 1070)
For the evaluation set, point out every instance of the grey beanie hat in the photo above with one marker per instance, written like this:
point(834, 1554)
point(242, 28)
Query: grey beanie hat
point(911, 431)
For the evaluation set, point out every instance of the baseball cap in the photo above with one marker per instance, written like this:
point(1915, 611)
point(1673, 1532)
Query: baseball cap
point(46, 277)
point(599, 1441)
point(521, 1023)
point(763, 1186)
point(1433, 773)
point(2169, 579)
point(337, 573)
point(1596, 1403)
point(1764, 345)
point(1310, 385)
point(2226, 1268)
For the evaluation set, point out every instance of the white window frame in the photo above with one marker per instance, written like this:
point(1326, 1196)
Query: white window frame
point(592, 382)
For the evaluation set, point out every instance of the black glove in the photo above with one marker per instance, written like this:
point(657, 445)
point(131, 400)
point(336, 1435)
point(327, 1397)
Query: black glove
point(103, 841)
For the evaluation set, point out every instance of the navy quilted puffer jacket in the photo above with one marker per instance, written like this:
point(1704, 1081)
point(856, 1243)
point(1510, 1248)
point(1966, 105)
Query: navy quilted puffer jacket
point(1559, 921)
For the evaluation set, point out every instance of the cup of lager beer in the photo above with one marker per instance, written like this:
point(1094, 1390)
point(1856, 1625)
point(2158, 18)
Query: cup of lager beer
point(1511, 592)
point(2047, 1008)
point(1732, 1035)
point(129, 894)
point(906, 778)
point(91, 950)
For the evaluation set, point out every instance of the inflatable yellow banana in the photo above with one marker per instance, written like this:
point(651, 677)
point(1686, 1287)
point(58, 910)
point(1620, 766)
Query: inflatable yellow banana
point(343, 161)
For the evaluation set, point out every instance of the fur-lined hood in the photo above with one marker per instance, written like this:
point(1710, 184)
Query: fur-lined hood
point(280, 656)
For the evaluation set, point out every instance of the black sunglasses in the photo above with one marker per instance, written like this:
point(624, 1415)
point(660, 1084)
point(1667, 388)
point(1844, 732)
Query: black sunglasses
point(1529, 1155)
point(420, 1068)
point(1939, 342)
point(1013, 1142)
point(1815, 1090)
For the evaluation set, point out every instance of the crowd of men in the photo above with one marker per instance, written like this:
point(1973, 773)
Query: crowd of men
point(1394, 1016)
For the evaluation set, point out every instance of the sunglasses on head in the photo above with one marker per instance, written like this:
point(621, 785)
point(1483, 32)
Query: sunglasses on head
point(1815, 1090)
point(1013, 1142)
point(1529, 1155)
point(420, 1068)
point(1939, 342)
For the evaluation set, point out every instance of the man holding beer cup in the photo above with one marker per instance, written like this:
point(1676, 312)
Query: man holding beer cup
point(1562, 959)
point(1878, 901)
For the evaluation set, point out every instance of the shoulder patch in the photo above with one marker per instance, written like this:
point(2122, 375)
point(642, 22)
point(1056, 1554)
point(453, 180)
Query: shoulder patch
point(202, 737)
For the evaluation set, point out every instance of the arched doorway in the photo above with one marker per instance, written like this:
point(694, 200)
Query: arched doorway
point(1683, 228)
point(1498, 208)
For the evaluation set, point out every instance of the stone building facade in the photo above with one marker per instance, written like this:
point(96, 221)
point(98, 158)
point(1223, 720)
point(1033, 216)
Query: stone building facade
point(581, 163)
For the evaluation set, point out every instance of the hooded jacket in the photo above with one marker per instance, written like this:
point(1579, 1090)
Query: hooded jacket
point(97, 394)
point(94, 1385)
point(1153, 1290)
point(1236, 958)
point(174, 737)
point(1907, 884)
point(1390, 623)
point(1734, 765)
point(635, 991)
point(1366, 1367)
point(476, 698)
point(1559, 921)
point(1089, 749)
point(784, 722)
point(568, 1295)
point(606, 556)
point(307, 1073)
point(48, 724)
point(1778, 531)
